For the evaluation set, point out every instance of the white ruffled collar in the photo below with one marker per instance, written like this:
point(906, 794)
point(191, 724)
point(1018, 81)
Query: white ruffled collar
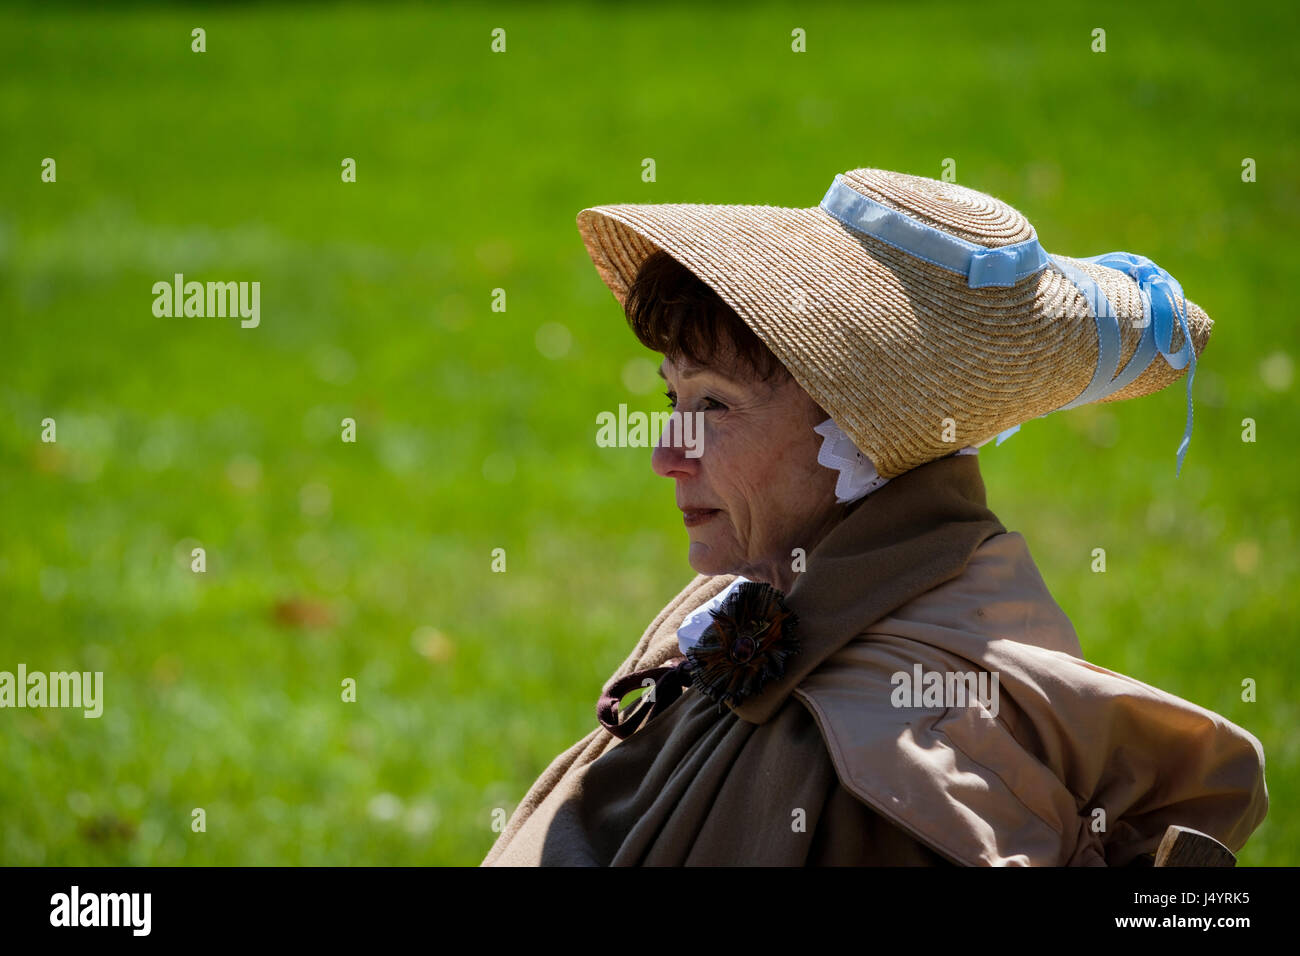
point(693, 627)
point(858, 477)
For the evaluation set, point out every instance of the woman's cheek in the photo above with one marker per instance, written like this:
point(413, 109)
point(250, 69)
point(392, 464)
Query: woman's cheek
point(715, 443)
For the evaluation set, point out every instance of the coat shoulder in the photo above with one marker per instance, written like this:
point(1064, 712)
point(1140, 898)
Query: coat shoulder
point(1034, 753)
point(1000, 595)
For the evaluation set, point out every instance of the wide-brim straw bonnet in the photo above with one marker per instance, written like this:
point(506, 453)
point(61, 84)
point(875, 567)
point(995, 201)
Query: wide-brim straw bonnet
point(923, 316)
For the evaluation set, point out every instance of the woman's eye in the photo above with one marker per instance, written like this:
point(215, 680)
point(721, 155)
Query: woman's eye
point(710, 404)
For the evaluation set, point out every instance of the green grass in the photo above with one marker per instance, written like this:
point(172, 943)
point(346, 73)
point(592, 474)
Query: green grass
point(376, 305)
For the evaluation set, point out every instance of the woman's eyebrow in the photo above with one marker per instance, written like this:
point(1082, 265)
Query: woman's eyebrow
point(690, 371)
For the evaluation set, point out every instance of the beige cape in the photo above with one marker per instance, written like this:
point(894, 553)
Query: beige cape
point(1080, 765)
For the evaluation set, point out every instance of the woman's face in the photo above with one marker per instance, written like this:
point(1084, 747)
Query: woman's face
point(756, 492)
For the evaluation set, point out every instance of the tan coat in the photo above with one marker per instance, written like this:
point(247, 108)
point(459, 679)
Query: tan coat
point(831, 765)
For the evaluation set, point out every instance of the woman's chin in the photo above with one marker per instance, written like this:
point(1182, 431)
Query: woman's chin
point(706, 560)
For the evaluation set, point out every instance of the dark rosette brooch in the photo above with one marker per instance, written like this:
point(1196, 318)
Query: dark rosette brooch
point(747, 644)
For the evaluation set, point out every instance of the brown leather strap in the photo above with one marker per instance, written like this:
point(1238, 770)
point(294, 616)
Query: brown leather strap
point(670, 680)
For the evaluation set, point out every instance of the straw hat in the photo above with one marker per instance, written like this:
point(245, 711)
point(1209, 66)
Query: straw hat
point(923, 316)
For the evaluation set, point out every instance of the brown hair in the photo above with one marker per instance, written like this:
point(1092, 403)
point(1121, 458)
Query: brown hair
point(674, 312)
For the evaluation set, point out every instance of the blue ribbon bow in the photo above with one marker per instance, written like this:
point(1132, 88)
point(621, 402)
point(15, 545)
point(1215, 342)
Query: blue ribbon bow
point(1163, 303)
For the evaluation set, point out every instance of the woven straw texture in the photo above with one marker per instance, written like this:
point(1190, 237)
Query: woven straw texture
point(889, 345)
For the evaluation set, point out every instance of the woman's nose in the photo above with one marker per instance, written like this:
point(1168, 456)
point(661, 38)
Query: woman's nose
point(670, 458)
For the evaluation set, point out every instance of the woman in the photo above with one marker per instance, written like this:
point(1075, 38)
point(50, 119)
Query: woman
point(868, 667)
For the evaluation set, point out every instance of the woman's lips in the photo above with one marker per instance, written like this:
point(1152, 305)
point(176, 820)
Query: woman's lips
point(698, 516)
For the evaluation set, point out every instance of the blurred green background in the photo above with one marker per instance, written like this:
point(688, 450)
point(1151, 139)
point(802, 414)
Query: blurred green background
point(476, 428)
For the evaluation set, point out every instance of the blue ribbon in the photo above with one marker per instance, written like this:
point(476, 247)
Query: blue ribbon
point(1163, 301)
point(1004, 266)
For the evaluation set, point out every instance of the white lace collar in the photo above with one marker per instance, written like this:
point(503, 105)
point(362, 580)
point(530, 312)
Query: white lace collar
point(858, 477)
